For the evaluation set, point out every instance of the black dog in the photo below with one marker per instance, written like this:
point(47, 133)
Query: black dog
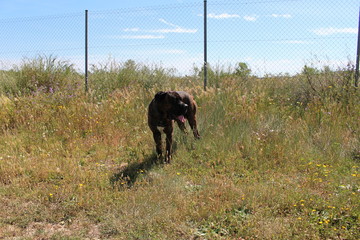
point(163, 110)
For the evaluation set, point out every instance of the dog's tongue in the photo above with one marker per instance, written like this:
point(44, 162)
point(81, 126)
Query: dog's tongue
point(181, 118)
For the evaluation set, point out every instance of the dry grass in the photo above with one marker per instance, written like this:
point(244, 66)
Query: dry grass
point(278, 159)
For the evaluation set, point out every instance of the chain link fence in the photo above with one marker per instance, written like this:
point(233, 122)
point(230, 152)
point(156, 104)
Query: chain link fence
point(26, 38)
point(271, 37)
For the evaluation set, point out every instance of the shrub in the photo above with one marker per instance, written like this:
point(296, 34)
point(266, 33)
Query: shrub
point(45, 74)
point(242, 70)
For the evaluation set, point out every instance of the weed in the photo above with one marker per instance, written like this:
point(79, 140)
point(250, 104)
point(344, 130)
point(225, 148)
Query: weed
point(278, 158)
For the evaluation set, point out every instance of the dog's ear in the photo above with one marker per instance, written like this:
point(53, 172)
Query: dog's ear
point(160, 96)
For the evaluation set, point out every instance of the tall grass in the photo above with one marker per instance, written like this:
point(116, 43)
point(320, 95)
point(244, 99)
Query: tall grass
point(278, 159)
point(42, 74)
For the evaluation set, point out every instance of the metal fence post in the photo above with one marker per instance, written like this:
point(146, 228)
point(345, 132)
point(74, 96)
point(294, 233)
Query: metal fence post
point(357, 55)
point(86, 50)
point(205, 44)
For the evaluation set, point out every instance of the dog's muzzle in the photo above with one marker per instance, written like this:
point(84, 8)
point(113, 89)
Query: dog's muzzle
point(181, 111)
point(185, 108)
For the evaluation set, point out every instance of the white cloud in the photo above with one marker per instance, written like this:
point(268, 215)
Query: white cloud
point(9, 63)
point(251, 18)
point(222, 16)
point(331, 30)
point(175, 29)
point(131, 29)
point(161, 52)
point(139, 37)
point(168, 23)
point(175, 51)
point(281, 15)
point(295, 42)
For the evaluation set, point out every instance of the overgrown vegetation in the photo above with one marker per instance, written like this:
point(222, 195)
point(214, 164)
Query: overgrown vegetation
point(278, 159)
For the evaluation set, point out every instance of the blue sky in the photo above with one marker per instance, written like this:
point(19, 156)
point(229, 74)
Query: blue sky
point(272, 36)
point(29, 8)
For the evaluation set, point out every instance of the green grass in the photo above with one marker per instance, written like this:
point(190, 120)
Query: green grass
point(279, 156)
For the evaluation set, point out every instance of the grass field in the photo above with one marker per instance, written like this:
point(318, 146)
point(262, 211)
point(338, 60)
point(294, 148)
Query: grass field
point(279, 156)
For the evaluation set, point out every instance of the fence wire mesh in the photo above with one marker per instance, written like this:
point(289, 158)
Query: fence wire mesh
point(61, 36)
point(270, 36)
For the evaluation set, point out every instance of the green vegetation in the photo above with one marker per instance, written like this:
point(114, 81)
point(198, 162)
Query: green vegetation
point(279, 156)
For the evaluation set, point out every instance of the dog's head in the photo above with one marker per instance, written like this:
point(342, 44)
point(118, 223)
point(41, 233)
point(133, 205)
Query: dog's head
point(172, 104)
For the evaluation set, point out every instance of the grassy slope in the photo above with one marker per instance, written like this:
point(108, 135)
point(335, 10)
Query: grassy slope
point(278, 159)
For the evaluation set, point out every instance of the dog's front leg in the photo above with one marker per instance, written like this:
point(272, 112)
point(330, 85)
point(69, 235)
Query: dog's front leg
point(193, 125)
point(169, 138)
point(157, 139)
point(181, 126)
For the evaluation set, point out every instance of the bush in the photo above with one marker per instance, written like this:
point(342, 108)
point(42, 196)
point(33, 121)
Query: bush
point(45, 74)
point(242, 70)
point(326, 85)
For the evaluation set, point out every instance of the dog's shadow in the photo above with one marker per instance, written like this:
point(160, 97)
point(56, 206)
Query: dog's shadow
point(128, 175)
